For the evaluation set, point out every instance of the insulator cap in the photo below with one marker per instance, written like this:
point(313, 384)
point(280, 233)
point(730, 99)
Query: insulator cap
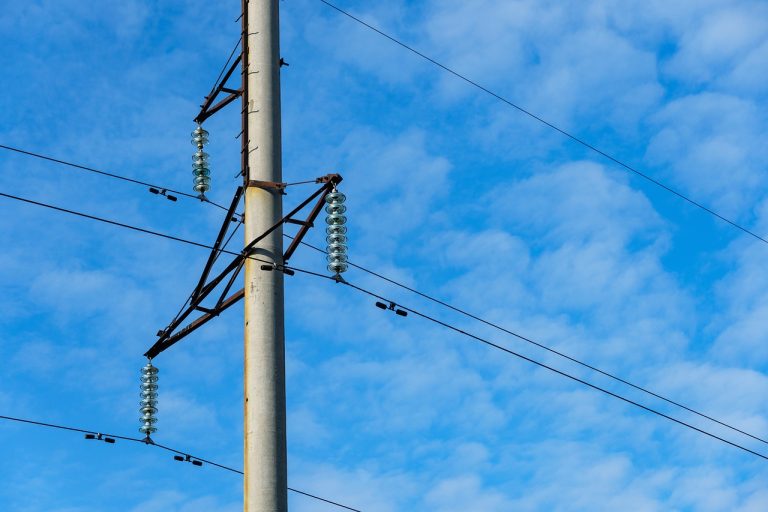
point(335, 197)
point(337, 248)
point(335, 208)
point(336, 219)
point(336, 229)
point(147, 429)
point(336, 239)
point(337, 258)
point(202, 185)
point(199, 137)
point(338, 267)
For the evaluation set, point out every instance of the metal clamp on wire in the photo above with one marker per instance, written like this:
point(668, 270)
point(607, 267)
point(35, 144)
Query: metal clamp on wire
point(392, 307)
point(187, 458)
point(163, 192)
point(100, 437)
point(280, 268)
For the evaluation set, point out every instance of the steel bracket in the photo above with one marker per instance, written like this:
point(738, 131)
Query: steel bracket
point(268, 185)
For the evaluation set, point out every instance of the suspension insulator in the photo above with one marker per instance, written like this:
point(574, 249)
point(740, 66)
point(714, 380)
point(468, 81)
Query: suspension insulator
point(336, 231)
point(201, 171)
point(148, 403)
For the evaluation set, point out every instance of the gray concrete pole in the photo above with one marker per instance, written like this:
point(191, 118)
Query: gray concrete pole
point(265, 481)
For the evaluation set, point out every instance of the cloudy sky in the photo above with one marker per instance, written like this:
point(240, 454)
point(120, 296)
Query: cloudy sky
point(450, 191)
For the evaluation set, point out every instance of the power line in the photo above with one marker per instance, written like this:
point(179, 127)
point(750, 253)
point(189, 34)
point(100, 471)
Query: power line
point(532, 361)
point(449, 326)
point(549, 124)
point(116, 223)
point(543, 346)
point(108, 174)
point(323, 499)
point(162, 447)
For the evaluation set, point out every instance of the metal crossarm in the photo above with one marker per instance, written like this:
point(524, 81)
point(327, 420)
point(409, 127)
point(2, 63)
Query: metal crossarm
point(206, 285)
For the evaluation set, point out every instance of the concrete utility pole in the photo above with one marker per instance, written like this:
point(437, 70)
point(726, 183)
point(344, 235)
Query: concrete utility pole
point(265, 481)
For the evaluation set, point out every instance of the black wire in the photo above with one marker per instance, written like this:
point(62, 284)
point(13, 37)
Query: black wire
point(549, 124)
point(530, 360)
point(545, 347)
point(120, 224)
point(162, 447)
point(339, 280)
point(109, 174)
point(51, 425)
point(323, 499)
point(224, 68)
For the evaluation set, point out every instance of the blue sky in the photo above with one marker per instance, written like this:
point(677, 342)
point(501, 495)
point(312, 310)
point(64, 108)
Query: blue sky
point(449, 191)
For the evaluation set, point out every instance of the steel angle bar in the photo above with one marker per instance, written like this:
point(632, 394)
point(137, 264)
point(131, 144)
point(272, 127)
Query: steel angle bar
point(225, 291)
point(331, 180)
point(194, 325)
point(206, 110)
point(193, 306)
point(215, 250)
point(220, 105)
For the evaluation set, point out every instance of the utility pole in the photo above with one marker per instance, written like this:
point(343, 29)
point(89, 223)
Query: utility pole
point(265, 481)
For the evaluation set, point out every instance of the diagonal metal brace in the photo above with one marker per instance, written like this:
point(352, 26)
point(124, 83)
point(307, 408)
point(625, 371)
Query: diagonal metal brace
point(330, 181)
point(216, 249)
point(206, 110)
point(194, 325)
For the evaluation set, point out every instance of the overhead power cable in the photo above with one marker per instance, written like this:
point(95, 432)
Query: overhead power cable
point(116, 223)
point(434, 320)
point(397, 305)
point(162, 447)
point(543, 346)
point(530, 114)
point(108, 174)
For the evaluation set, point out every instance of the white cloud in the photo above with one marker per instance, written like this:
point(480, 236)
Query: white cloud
point(710, 144)
point(722, 38)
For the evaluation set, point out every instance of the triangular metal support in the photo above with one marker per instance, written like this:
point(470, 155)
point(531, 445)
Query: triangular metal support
point(173, 334)
point(207, 109)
